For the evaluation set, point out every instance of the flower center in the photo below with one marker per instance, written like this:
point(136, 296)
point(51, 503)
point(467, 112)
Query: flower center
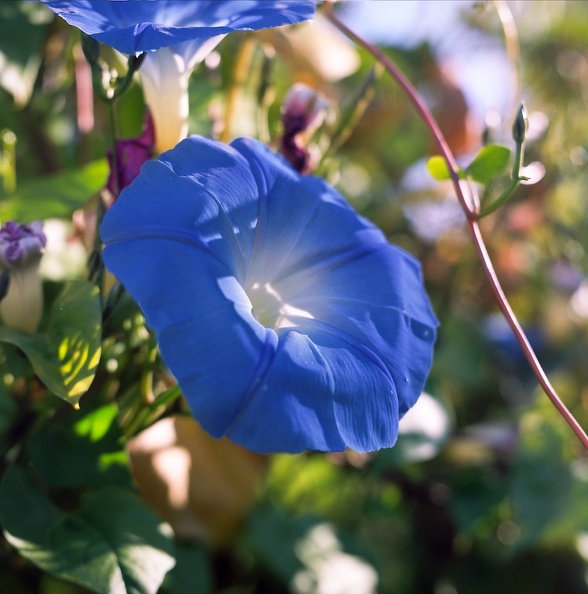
point(270, 309)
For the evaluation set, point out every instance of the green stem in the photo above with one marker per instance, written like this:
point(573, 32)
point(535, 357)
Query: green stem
point(357, 106)
point(122, 84)
point(8, 161)
point(146, 386)
point(113, 137)
point(239, 77)
point(264, 96)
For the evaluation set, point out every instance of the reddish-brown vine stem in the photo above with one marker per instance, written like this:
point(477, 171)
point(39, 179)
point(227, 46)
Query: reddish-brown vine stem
point(469, 204)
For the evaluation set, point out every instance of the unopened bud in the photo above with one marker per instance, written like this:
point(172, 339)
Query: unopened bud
point(21, 248)
point(130, 155)
point(304, 110)
point(520, 125)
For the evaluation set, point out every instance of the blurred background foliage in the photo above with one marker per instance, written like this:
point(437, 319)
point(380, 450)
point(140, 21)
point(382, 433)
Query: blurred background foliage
point(487, 488)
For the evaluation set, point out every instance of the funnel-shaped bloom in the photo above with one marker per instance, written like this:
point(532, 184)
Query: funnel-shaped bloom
point(288, 319)
point(183, 32)
point(21, 248)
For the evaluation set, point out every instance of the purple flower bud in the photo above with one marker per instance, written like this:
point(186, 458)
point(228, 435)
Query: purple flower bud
point(21, 248)
point(303, 111)
point(131, 153)
point(21, 245)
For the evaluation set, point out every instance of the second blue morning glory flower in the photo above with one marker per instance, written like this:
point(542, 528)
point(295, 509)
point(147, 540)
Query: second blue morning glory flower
point(177, 35)
point(289, 321)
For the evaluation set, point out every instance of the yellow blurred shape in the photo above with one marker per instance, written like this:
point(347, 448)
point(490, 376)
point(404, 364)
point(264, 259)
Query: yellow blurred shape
point(201, 485)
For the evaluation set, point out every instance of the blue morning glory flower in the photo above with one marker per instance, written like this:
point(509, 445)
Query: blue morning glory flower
point(183, 33)
point(288, 320)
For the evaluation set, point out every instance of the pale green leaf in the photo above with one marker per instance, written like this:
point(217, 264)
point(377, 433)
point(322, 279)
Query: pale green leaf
point(66, 355)
point(437, 168)
point(489, 163)
point(54, 196)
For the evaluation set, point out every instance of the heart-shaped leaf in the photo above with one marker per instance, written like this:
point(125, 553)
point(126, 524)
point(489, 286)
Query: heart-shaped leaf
point(112, 544)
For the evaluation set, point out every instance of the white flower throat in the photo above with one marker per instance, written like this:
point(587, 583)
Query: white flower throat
point(271, 309)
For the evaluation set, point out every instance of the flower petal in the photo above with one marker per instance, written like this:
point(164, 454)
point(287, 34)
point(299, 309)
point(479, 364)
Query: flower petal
point(319, 394)
point(377, 299)
point(132, 27)
point(201, 192)
point(202, 317)
point(301, 217)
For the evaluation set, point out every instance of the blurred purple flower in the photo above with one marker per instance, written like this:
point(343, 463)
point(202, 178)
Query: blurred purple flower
point(289, 320)
point(566, 275)
point(183, 32)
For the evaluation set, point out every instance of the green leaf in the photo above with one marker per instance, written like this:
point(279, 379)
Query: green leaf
point(23, 31)
point(477, 495)
point(272, 535)
point(8, 408)
point(542, 478)
point(85, 450)
point(55, 196)
point(191, 572)
point(66, 355)
point(437, 168)
point(112, 544)
point(488, 163)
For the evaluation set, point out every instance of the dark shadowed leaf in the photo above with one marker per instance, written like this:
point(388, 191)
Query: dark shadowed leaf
point(541, 481)
point(191, 572)
point(83, 451)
